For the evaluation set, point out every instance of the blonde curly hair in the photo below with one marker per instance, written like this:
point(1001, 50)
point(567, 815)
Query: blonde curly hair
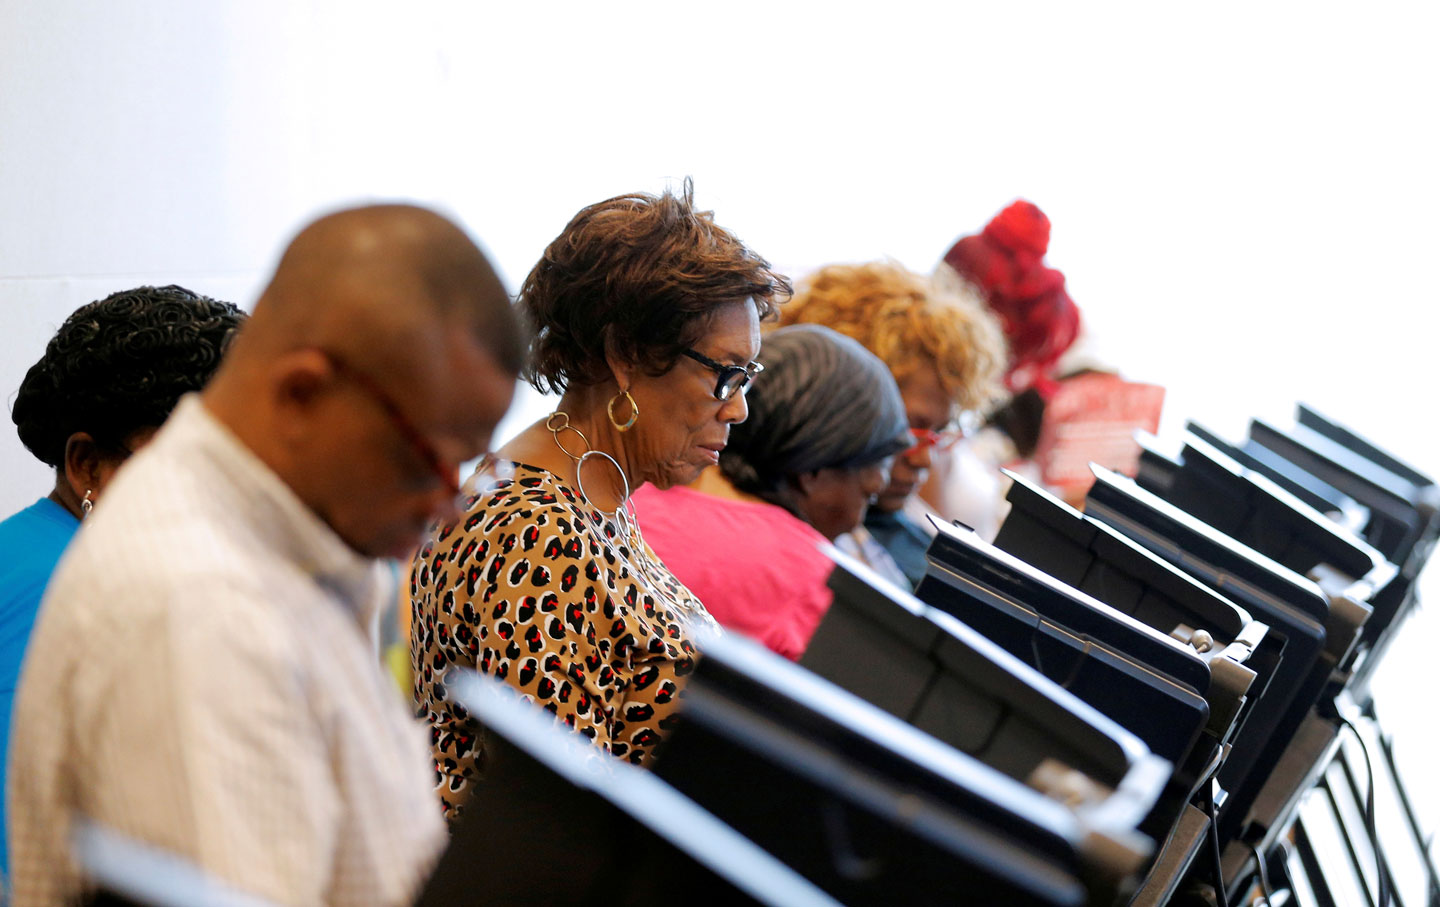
point(910, 322)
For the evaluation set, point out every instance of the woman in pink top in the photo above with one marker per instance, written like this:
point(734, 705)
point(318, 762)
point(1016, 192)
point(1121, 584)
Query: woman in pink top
point(748, 536)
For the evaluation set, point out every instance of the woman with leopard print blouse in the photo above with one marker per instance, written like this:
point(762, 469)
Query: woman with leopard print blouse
point(645, 318)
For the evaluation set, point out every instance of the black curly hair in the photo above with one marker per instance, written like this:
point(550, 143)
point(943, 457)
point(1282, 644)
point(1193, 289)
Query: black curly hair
point(119, 365)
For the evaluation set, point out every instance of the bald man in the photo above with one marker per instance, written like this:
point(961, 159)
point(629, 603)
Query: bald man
point(201, 681)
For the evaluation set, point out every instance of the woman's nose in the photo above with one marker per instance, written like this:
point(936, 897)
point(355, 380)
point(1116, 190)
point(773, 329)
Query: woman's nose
point(920, 456)
point(735, 409)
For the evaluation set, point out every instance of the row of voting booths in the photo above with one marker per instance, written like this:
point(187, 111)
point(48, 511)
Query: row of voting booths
point(1164, 698)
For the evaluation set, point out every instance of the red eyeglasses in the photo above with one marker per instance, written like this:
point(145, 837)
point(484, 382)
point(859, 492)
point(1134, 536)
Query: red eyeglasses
point(448, 475)
point(940, 440)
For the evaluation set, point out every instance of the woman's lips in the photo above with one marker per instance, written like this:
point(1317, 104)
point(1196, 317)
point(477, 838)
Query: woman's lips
point(712, 452)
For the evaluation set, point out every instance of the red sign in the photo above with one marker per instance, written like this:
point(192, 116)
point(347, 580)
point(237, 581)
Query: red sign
point(1093, 418)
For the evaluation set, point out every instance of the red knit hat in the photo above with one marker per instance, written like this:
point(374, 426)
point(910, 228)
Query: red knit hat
point(1022, 228)
point(1005, 261)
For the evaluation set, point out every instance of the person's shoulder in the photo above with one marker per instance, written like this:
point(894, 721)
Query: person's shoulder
point(141, 556)
point(680, 516)
point(673, 504)
point(518, 507)
point(32, 540)
point(685, 504)
point(748, 530)
point(39, 523)
point(695, 509)
point(886, 525)
point(678, 497)
point(159, 541)
point(105, 611)
point(522, 488)
point(772, 522)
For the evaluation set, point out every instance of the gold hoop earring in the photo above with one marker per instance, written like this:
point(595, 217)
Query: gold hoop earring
point(634, 411)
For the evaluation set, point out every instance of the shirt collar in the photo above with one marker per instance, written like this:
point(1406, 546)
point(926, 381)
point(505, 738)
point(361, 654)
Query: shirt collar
point(284, 522)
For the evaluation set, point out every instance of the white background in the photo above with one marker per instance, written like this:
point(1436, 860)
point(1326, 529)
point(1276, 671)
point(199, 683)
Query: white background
point(1243, 195)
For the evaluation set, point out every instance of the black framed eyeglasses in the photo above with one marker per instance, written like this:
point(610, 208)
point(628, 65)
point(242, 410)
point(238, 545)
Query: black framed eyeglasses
point(447, 475)
point(730, 378)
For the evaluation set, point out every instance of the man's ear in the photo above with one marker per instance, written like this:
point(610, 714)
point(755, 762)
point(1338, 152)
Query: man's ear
point(298, 380)
point(83, 465)
point(299, 377)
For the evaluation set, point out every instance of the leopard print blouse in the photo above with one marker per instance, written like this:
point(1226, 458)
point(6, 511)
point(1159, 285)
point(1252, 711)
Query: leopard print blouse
point(535, 587)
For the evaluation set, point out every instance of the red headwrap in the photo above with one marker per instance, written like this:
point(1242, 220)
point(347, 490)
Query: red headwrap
point(1039, 319)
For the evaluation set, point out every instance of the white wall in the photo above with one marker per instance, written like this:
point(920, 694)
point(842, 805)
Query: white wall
point(1242, 199)
point(1243, 195)
point(167, 141)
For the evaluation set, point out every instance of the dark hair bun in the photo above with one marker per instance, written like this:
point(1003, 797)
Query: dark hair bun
point(120, 365)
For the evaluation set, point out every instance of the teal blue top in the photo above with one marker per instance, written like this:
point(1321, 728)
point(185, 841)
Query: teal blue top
point(31, 543)
point(906, 542)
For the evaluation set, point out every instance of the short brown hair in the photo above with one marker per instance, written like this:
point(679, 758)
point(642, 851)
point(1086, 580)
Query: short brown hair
point(909, 321)
point(641, 273)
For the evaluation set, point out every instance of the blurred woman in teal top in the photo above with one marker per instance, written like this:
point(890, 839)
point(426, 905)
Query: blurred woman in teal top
point(109, 377)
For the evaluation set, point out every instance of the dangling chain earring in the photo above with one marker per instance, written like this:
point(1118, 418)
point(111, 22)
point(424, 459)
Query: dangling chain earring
point(86, 505)
point(559, 423)
point(634, 411)
point(624, 515)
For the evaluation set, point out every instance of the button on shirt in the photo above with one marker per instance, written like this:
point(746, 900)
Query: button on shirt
point(201, 681)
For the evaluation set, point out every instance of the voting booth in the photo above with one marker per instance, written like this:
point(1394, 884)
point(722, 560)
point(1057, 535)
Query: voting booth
point(877, 811)
point(1161, 698)
point(945, 678)
point(1306, 542)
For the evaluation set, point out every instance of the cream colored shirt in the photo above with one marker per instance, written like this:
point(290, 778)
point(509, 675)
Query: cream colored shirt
point(201, 680)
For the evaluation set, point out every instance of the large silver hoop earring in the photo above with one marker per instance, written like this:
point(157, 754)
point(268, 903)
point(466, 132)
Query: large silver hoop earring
point(86, 505)
point(634, 411)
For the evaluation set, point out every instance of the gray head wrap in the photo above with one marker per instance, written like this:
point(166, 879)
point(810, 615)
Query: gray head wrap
point(823, 401)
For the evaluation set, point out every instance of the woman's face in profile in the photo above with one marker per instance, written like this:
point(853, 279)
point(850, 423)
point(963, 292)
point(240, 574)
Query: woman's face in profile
point(834, 500)
point(682, 426)
point(927, 407)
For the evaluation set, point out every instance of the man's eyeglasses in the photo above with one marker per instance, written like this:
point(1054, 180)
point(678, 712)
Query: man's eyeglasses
point(731, 378)
point(447, 475)
point(940, 440)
